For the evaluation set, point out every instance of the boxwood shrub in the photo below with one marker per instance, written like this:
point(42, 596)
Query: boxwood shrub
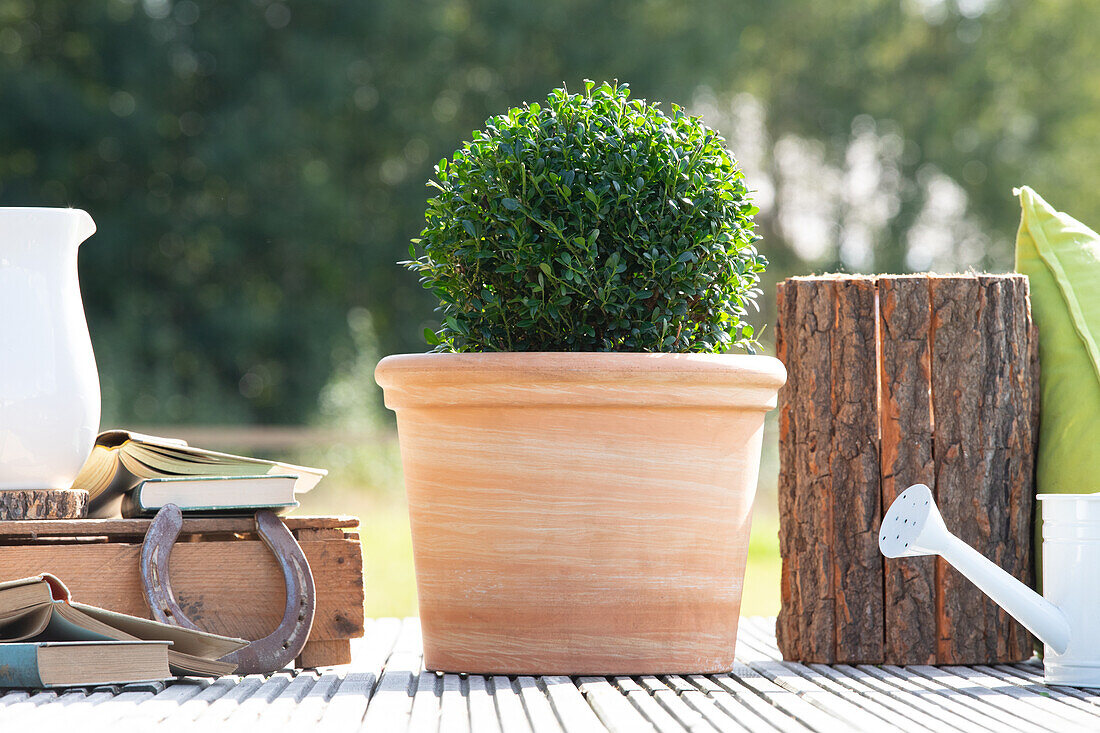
point(590, 222)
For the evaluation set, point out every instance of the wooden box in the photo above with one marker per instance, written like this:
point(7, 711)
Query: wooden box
point(224, 577)
point(892, 381)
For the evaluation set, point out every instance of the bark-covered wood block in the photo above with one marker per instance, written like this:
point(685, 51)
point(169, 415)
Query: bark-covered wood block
point(896, 380)
point(43, 504)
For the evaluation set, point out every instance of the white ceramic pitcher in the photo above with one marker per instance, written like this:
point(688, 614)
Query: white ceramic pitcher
point(1065, 619)
point(49, 386)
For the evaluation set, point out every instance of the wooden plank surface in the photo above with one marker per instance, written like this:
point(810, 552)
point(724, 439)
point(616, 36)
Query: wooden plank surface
point(16, 530)
point(386, 689)
point(233, 588)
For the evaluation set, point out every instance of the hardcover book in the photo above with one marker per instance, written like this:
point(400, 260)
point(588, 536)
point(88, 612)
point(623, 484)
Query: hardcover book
point(82, 663)
point(212, 495)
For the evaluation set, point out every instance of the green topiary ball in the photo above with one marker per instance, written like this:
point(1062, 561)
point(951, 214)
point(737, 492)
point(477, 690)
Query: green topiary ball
point(592, 222)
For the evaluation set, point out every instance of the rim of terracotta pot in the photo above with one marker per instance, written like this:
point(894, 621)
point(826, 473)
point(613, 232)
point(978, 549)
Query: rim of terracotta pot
point(530, 378)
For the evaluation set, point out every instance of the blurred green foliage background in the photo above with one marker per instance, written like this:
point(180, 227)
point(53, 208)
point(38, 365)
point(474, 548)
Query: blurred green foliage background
point(256, 167)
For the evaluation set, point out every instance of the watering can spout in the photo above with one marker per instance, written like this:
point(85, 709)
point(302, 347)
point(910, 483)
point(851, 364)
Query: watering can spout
point(913, 527)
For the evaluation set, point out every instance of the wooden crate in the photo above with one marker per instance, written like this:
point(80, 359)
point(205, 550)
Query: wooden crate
point(224, 577)
point(896, 380)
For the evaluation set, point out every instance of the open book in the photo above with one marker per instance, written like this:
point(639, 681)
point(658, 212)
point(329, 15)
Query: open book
point(121, 459)
point(39, 609)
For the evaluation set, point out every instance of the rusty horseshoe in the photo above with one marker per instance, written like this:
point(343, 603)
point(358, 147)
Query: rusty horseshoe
point(277, 649)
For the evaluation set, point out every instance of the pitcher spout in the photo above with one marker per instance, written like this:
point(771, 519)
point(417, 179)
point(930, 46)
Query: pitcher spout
point(85, 227)
point(913, 527)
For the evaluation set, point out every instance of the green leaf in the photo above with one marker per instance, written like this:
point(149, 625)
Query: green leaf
point(510, 204)
point(546, 269)
point(431, 337)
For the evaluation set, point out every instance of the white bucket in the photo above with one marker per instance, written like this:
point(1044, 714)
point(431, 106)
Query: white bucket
point(1071, 581)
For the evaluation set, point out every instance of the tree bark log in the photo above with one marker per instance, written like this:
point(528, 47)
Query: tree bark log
point(906, 431)
point(43, 504)
point(854, 475)
point(787, 624)
point(896, 380)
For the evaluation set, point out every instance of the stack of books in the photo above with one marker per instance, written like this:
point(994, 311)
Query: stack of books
point(133, 475)
point(49, 640)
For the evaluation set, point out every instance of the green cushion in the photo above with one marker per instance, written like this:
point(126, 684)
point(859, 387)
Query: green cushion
point(1061, 258)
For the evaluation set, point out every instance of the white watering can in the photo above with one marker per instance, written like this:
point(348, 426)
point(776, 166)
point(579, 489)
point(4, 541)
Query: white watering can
point(1066, 620)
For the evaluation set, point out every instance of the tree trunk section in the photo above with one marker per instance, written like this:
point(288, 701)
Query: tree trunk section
point(896, 380)
point(809, 625)
point(854, 475)
point(906, 434)
point(43, 504)
point(786, 624)
point(981, 401)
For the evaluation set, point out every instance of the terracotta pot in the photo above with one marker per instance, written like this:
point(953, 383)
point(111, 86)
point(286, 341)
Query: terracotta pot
point(580, 513)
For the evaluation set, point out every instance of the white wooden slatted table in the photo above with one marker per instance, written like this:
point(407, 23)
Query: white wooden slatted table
point(387, 690)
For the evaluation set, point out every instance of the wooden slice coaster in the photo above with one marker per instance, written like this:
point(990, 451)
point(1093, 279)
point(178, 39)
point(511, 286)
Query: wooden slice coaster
point(43, 504)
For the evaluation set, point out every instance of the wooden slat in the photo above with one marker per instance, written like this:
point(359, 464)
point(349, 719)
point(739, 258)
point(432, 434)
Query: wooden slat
point(979, 712)
point(916, 698)
point(153, 711)
point(391, 703)
point(815, 316)
point(751, 710)
point(222, 707)
point(349, 701)
point(386, 689)
point(748, 684)
point(121, 528)
point(787, 624)
point(977, 339)
point(612, 707)
point(872, 698)
point(786, 675)
point(453, 709)
point(1018, 442)
point(1065, 695)
point(183, 716)
point(569, 704)
point(424, 717)
point(483, 713)
point(758, 637)
point(855, 476)
point(906, 455)
point(640, 698)
point(702, 703)
point(390, 706)
point(233, 588)
point(1041, 704)
point(325, 653)
point(1005, 709)
point(247, 713)
point(513, 718)
point(687, 717)
point(539, 711)
point(312, 706)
